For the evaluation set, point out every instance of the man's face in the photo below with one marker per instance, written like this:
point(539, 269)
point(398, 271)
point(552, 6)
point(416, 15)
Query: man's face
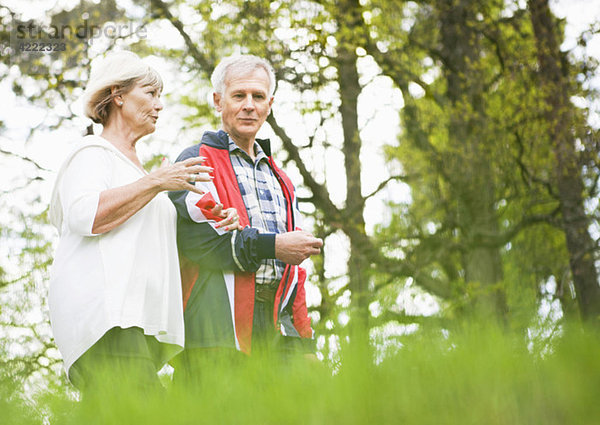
point(245, 105)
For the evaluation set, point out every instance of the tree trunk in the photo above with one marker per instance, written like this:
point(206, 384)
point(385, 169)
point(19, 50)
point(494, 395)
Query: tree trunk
point(560, 120)
point(349, 24)
point(470, 166)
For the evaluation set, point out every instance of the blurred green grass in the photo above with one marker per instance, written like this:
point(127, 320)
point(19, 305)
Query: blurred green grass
point(473, 376)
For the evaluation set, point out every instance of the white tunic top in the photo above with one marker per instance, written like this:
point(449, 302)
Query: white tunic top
point(126, 277)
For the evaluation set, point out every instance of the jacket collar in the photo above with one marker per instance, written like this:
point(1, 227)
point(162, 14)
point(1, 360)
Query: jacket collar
point(220, 140)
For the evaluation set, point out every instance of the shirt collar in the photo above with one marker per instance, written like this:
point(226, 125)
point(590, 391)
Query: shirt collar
point(260, 153)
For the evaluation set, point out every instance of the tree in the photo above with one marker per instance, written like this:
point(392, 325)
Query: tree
point(481, 194)
point(486, 224)
point(317, 58)
point(560, 116)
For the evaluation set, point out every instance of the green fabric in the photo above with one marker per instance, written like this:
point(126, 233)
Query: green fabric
point(267, 339)
point(194, 365)
point(119, 353)
point(208, 320)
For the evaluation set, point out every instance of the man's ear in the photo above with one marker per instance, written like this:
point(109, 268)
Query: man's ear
point(217, 102)
point(271, 102)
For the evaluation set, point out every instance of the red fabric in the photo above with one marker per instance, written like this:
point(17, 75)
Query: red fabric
point(299, 310)
point(189, 275)
point(302, 322)
point(228, 190)
point(206, 204)
point(279, 293)
point(286, 186)
point(288, 189)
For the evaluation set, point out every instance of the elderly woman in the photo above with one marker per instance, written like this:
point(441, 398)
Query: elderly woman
point(115, 293)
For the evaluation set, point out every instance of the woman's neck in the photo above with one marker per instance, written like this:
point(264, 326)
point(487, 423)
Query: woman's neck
point(123, 139)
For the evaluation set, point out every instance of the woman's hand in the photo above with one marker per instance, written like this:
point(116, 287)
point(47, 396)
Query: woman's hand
point(231, 219)
point(182, 175)
point(116, 205)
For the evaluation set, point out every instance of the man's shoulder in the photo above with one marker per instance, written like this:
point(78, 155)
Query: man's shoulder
point(215, 139)
point(210, 139)
point(189, 152)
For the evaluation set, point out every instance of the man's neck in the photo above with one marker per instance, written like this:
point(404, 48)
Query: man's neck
point(247, 146)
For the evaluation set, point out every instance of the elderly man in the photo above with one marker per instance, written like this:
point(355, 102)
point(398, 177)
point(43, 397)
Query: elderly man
point(242, 287)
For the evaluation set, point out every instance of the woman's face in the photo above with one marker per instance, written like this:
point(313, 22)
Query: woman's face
point(140, 108)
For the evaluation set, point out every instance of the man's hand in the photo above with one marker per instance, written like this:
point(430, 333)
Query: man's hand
point(295, 247)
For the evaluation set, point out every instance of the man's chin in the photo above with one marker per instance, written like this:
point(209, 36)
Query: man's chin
point(248, 130)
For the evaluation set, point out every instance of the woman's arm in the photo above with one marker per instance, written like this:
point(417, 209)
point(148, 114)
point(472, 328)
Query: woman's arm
point(117, 205)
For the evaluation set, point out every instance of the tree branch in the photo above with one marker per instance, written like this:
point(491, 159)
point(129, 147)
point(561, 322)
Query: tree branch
point(23, 186)
point(321, 196)
point(24, 158)
point(527, 176)
point(200, 59)
point(492, 241)
point(403, 318)
point(384, 183)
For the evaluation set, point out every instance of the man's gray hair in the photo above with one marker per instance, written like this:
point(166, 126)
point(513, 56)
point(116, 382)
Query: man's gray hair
point(240, 65)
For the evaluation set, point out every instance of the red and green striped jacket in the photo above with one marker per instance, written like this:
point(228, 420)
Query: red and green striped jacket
point(217, 267)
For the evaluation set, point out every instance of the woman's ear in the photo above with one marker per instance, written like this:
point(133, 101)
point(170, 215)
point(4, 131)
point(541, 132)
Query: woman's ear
point(118, 99)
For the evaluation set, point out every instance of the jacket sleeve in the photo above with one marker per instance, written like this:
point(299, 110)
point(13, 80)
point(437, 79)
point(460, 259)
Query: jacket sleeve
point(302, 321)
point(299, 309)
point(211, 247)
point(240, 251)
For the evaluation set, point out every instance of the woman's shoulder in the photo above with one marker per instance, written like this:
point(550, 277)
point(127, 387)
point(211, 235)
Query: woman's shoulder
point(92, 147)
point(89, 155)
point(92, 142)
point(84, 142)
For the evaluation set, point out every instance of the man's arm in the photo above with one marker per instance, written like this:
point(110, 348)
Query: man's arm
point(242, 250)
point(201, 240)
point(237, 251)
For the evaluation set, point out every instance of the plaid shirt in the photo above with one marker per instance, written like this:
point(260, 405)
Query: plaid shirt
point(265, 204)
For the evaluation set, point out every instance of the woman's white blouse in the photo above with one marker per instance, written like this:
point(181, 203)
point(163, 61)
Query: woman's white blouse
point(126, 277)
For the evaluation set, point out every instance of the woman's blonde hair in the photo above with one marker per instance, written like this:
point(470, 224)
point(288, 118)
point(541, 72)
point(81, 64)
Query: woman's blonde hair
point(119, 70)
